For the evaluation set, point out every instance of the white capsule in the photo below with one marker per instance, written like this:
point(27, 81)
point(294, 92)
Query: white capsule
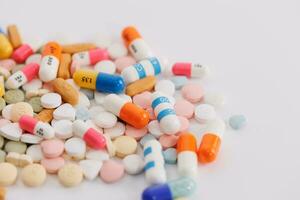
point(49, 68)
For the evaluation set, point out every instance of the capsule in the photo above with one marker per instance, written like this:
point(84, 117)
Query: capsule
point(155, 172)
point(165, 113)
point(93, 138)
point(28, 48)
point(90, 57)
point(23, 76)
point(6, 48)
point(189, 70)
point(211, 141)
point(136, 44)
point(187, 161)
point(101, 82)
point(127, 111)
point(50, 61)
point(36, 127)
point(181, 187)
point(149, 67)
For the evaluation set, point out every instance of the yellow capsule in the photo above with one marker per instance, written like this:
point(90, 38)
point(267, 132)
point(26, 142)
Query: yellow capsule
point(85, 78)
point(2, 89)
point(6, 48)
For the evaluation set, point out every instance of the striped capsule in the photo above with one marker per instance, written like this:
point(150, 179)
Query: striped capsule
point(165, 113)
point(211, 141)
point(50, 61)
point(6, 48)
point(136, 44)
point(155, 172)
point(90, 57)
point(149, 67)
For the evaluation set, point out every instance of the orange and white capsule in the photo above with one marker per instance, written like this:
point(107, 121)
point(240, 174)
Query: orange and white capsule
point(127, 111)
point(50, 61)
point(136, 44)
point(211, 141)
point(187, 162)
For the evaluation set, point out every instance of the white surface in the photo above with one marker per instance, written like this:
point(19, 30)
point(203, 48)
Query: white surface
point(254, 48)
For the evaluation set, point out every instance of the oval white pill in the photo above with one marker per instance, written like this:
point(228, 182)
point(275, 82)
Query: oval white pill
point(205, 113)
point(105, 120)
point(100, 155)
point(214, 99)
point(106, 66)
point(11, 131)
point(51, 100)
point(6, 112)
point(75, 147)
point(166, 87)
point(95, 110)
point(65, 111)
point(35, 152)
point(34, 84)
point(115, 131)
point(63, 129)
point(133, 164)
point(90, 168)
point(30, 138)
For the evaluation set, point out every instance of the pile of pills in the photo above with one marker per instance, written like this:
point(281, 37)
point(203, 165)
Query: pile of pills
point(104, 109)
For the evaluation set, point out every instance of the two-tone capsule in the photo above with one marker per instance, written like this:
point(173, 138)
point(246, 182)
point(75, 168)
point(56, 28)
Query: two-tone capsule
point(6, 48)
point(187, 69)
point(187, 161)
point(181, 187)
point(36, 127)
point(99, 81)
point(26, 74)
point(165, 113)
point(127, 111)
point(148, 67)
point(25, 50)
point(90, 57)
point(136, 44)
point(93, 138)
point(50, 61)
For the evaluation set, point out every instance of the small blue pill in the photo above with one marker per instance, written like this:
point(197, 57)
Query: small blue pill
point(179, 81)
point(170, 155)
point(237, 121)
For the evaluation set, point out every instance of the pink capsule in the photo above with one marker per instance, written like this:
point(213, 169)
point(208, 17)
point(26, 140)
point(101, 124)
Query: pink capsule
point(93, 138)
point(190, 70)
point(90, 57)
point(36, 127)
point(22, 53)
point(23, 76)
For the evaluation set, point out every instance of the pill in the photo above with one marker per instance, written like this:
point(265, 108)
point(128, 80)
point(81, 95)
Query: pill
point(83, 100)
point(165, 113)
point(136, 44)
point(142, 85)
point(117, 50)
point(34, 58)
point(2, 156)
point(11, 131)
point(146, 138)
point(155, 172)
point(125, 145)
point(174, 189)
point(30, 139)
point(6, 112)
point(25, 50)
point(117, 130)
point(34, 84)
point(123, 62)
point(51, 100)
point(135, 133)
point(65, 111)
point(75, 148)
point(194, 70)
point(133, 164)
point(14, 36)
point(52, 148)
point(215, 99)
point(36, 127)
point(35, 152)
point(93, 138)
point(36, 93)
point(88, 93)
point(143, 99)
point(100, 155)
point(8, 64)
point(111, 171)
point(14, 146)
point(2, 88)
point(1, 142)
point(170, 156)
point(168, 141)
point(211, 141)
point(165, 86)
point(205, 113)
point(101, 82)
point(105, 66)
point(8, 174)
point(82, 113)
point(154, 129)
point(179, 81)
point(14, 96)
point(50, 61)
point(2, 103)
point(19, 160)
point(125, 97)
point(149, 67)
point(2, 193)
point(36, 104)
point(90, 168)
point(52, 165)
point(63, 129)
point(4, 122)
point(192, 92)
point(5, 73)
point(77, 47)
point(90, 57)
point(19, 109)
point(94, 110)
point(70, 175)
point(99, 97)
point(237, 121)
point(184, 108)
point(45, 115)
point(105, 119)
point(66, 91)
point(185, 124)
point(33, 175)
point(6, 48)
point(64, 66)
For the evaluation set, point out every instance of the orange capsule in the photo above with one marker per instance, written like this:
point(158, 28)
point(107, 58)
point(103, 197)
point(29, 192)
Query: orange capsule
point(127, 111)
point(129, 34)
point(187, 162)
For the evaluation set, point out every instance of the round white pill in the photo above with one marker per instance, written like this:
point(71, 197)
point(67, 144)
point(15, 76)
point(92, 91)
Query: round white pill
point(90, 168)
point(34, 84)
point(6, 112)
point(133, 164)
point(115, 131)
point(154, 129)
point(95, 110)
point(63, 129)
point(83, 100)
point(105, 66)
point(205, 113)
point(214, 99)
point(100, 155)
point(117, 50)
point(65, 111)
point(51, 100)
point(75, 147)
point(30, 138)
point(11, 131)
point(166, 87)
point(105, 120)
point(35, 152)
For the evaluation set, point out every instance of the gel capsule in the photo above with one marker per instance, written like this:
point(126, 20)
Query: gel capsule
point(50, 61)
point(36, 127)
point(211, 141)
point(101, 82)
point(181, 187)
point(93, 138)
point(127, 111)
point(136, 44)
point(90, 57)
point(190, 70)
point(187, 161)
point(165, 113)
point(23, 76)
point(21, 54)
point(149, 67)
point(6, 48)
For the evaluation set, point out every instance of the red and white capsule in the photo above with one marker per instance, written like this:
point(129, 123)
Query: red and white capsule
point(25, 50)
point(36, 127)
point(188, 69)
point(23, 76)
point(90, 57)
point(93, 138)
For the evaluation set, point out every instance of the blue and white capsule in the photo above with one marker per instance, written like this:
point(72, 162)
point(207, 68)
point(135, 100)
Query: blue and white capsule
point(181, 187)
point(155, 172)
point(148, 67)
point(165, 113)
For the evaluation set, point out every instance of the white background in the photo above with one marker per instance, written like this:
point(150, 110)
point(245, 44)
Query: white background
point(253, 47)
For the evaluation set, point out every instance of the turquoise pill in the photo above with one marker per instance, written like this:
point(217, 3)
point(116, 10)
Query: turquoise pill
point(146, 138)
point(179, 81)
point(237, 121)
point(170, 156)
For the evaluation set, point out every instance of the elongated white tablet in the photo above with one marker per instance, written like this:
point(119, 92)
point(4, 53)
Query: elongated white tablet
point(105, 120)
point(30, 138)
point(51, 100)
point(65, 111)
point(11, 131)
point(63, 129)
